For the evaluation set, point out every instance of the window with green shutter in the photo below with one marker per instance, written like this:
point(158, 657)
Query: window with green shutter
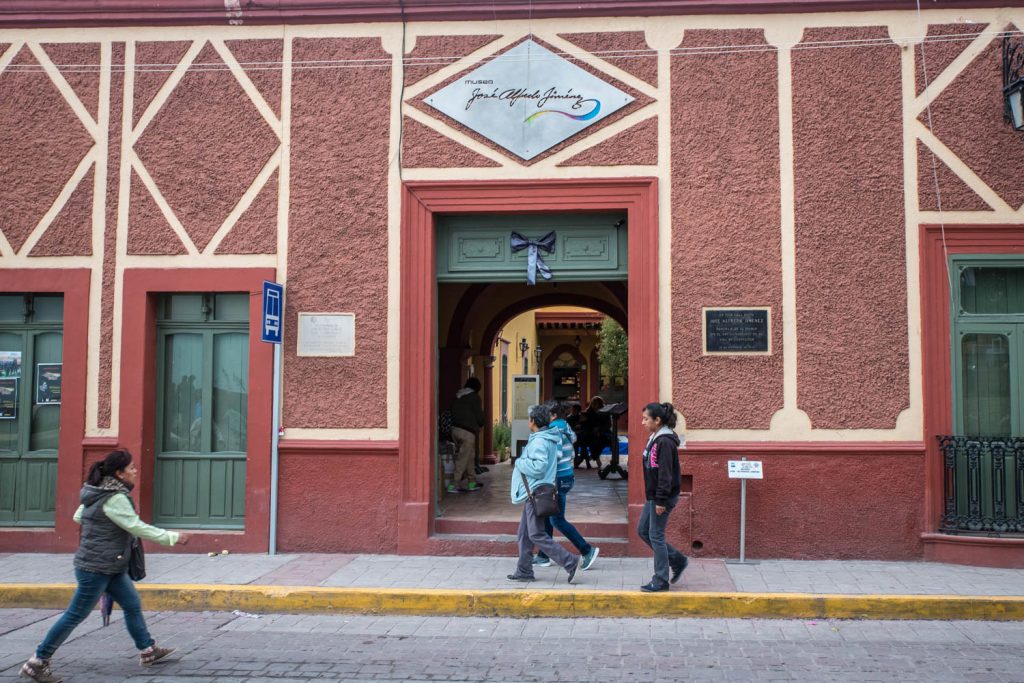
point(202, 410)
point(31, 373)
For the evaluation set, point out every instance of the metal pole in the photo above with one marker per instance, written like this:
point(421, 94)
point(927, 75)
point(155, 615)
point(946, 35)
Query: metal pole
point(275, 423)
point(743, 518)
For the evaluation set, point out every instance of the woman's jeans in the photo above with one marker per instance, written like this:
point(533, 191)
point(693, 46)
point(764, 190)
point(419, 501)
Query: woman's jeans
point(564, 485)
point(90, 587)
point(652, 530)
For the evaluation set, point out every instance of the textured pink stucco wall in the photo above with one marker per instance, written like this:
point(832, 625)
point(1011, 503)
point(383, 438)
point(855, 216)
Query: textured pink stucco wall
point(968, 118)
point(70, 233)
point(627, 50)
point(337, 239)
point(205, 147)
point(260, 59)
point(79, 64)
point(641, 100)
point(852, 370)
point(433, 53)
point(423, 147)
point(954, 193)
point(637, 145)
point(110, 237)
point(256, 229)
point(725, 226)
point(41, 143)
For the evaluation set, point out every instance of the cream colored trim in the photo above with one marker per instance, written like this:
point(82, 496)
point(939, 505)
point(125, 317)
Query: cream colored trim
point(377, 434)
point(99, 221)
point(197, 261)
point(601, 65)
point(415, 90)
point(62, 199)
point(164, 92)
point(912, 418)
point(442, 127)
point(393, 44)
point(662, 40)
point(161, 203)
point(246, 200)
point(529, 173)
point(9, 54)
point(284, 198)
point(603, 135)
point(962, 170)
point(976, 217)
point(65, 89)
point(939, 82)
point(247, 85)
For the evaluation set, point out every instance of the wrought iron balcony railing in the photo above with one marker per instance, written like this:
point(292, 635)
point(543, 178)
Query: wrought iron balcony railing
point(983, 485)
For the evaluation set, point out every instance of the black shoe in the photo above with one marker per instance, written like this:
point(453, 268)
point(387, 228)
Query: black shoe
point(677, 571)
point(519, 578)
point(575, 568)
point(653, 587)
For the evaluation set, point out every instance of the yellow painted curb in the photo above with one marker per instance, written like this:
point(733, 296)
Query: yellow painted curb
point(537, 603)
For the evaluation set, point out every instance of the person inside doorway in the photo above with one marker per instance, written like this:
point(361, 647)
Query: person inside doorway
point(467, 420)
point(595, 433)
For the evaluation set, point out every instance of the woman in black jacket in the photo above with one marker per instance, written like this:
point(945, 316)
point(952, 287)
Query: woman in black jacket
point(661, 484)
point(109, 524)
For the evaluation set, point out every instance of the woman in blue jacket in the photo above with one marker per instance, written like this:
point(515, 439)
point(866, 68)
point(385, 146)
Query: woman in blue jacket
point(538, 463)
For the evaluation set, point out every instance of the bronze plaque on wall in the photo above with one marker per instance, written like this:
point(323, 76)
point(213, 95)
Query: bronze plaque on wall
point(737, 331)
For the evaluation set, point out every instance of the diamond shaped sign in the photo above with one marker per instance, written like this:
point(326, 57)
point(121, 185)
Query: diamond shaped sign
point(528, 99)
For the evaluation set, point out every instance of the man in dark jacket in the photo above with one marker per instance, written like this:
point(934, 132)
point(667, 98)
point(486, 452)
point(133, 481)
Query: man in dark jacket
point(661, 484)
point(467, 419)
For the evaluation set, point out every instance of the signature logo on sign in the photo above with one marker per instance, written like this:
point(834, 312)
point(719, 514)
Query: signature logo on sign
point(552, 95)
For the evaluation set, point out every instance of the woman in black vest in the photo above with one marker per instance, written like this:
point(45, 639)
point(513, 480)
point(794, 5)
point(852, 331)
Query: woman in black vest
point(109, 525)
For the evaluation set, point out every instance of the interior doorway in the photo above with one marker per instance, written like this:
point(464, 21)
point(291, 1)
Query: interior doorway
point(423, 204)
point(526, 344)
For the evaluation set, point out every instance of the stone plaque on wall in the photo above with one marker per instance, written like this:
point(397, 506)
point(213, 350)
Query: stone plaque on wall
point(326, 334)
point(737, 331)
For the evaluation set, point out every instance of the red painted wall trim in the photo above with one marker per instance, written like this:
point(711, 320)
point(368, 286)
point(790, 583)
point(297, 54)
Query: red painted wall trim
point(74, 285)
point(936, 242)
point(420, 202)
point(337, 447)
point(138, 391)
point(29, 13)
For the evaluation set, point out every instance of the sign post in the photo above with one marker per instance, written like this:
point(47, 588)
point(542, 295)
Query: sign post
point(744, 469)
point(270, 332)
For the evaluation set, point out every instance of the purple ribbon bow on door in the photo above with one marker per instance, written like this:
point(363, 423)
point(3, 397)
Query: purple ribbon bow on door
point(534, 261)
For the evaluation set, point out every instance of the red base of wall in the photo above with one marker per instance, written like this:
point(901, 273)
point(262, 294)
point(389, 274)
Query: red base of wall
point(1006, 553)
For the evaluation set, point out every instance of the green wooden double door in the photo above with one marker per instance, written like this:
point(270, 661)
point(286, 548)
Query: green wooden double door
point(31, 370)
point(202, 411)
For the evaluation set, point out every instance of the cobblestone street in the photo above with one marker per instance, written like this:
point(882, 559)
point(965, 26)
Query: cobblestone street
point(288, 648)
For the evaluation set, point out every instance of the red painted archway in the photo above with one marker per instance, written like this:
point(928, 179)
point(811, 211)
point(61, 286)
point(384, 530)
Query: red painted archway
point(421, 201)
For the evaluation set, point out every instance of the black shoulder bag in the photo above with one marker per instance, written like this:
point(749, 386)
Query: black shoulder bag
point(137, 561)
point(544, 498)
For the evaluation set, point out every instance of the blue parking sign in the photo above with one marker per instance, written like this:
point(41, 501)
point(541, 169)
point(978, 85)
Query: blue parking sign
point(273, 300)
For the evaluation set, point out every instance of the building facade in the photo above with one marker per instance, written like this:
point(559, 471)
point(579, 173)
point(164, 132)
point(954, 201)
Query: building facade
point(842, 175)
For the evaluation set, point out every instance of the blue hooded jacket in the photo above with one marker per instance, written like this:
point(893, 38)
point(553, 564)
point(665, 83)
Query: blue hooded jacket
point(538, 462)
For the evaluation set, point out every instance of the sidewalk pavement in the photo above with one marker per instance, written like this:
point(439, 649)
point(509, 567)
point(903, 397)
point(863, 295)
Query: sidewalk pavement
point(477, 585)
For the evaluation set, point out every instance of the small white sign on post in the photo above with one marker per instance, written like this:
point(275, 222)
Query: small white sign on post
point(745, 469)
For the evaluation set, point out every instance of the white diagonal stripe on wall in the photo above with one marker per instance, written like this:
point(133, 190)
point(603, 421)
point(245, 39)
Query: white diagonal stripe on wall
point(650, 111)
point(248, 86)
point(939, 82)
point(472, 59)
point(245, 202)
point(579, 54)
point(458, 136)
point(66, 91)
point(165, 90)
point(161, 203)
point(8, 56)
point(962, 170)
point(62, 199)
